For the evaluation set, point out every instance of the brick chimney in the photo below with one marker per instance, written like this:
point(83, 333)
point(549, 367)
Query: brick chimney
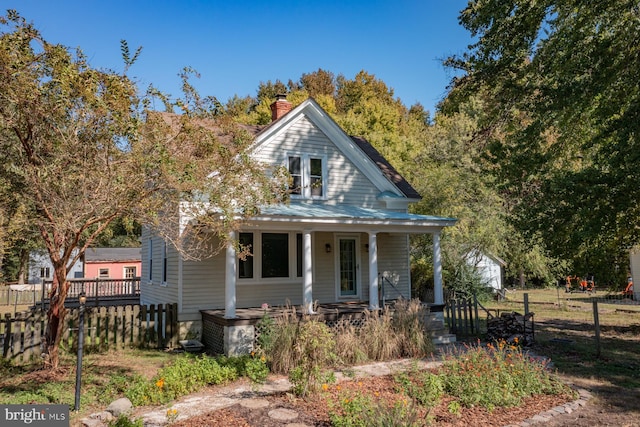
point(280, 107)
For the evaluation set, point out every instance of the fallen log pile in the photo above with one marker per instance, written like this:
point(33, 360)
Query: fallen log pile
point(514, 328)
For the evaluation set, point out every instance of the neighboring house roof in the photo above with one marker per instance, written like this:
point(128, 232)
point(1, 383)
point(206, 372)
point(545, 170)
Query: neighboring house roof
point(477, 255)
point(112, 255)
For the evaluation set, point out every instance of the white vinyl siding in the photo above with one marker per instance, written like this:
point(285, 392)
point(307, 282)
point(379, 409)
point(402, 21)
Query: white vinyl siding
point(150, 293)
point(203, 282)
point(393, 263)
point(203, 286)
point(345, 183)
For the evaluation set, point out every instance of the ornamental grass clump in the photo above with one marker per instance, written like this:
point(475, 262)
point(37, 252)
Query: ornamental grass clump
point(277, 341)
point(409, 325)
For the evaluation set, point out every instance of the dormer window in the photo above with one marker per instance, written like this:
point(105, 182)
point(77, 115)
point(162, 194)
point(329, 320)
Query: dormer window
point(315, 177)
point(295, 171)
point(308, 176)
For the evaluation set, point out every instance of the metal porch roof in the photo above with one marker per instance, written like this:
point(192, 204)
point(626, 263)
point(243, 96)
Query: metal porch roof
point(350, 215)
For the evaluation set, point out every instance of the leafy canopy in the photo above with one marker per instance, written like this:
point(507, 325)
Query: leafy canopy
point(559, 79)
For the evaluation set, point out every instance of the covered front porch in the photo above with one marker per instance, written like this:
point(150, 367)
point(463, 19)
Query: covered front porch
point(240, 335)
point(377, 239)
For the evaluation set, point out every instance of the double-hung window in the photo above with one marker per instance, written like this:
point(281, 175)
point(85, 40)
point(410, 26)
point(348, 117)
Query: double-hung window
point(150, 276)
point(164, 263)
point(270, 256)
point(295, 172)
point(308, 176)
point(129, 272)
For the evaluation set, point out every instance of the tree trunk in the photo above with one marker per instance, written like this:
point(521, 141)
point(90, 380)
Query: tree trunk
point(24, 260)
point(55, 318)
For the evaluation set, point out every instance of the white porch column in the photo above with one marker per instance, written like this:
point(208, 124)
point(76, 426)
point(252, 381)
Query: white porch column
point(437, 270)
point(230, 279)
point(307, 272)
point(373, 271)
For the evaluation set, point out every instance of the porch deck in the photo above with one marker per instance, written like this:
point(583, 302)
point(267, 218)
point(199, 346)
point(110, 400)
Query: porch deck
point(326, 312)
point(247, 321)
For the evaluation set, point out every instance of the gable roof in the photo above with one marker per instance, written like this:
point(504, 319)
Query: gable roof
point(263, 131)
point(357, 149)
point(112, 254)
point(385, 167)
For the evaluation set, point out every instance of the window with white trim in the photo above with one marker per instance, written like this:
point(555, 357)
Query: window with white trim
point(270, 256)
point(150, 276)
point(308, 176)
point(130, 272)
point(164, 263)
point(245, 266)
point(45, 272)
point(103, 273)
point(295, 172)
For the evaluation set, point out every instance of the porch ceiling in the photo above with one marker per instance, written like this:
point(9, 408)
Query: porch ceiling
point(332, 217)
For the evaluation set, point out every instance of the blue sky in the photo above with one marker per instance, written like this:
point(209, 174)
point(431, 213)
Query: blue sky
point(235, 45)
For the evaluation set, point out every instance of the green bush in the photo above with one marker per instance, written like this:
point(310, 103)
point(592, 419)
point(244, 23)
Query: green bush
point(186, 375)
point(425, 388)
point(256, 369)
point(498, 375)
point(124, 421)
point(314, 350)
point(362, 411)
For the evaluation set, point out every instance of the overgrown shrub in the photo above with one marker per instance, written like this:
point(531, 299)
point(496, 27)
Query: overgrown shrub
point(497, 375)
point(383, 335)
point(314, 350)
point(386, 334)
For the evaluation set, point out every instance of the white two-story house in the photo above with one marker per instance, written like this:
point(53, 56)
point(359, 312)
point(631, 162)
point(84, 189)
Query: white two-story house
point(344, 233)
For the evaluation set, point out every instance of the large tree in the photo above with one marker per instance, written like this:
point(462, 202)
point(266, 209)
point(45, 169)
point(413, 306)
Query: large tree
point(80, 150)
point(560, 82)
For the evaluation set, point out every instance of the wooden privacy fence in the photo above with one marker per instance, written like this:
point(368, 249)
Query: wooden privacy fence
point(462, 316)
point(105, 328)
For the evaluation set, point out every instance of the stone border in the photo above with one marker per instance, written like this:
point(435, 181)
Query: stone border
point(583, 397)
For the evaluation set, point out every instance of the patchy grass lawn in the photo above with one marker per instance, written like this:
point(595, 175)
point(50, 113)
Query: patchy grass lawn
point(565, 332)
point(31, 384)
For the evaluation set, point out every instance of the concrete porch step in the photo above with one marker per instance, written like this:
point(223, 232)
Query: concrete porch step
point(434, 325)
point(444, 338)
